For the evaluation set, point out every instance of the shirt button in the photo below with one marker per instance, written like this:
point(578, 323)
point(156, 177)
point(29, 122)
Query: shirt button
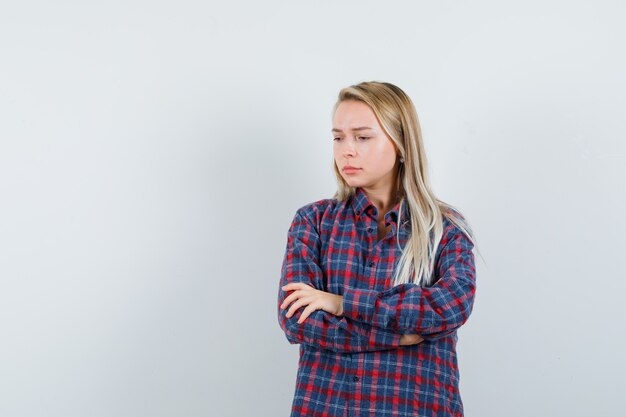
point(355, 378)
point(371, 264)
point(370, 230)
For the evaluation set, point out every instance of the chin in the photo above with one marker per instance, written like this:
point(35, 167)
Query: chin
point(353, 182)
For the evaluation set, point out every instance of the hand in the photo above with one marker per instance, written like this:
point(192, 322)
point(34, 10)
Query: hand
point(410, 339)
point(314, 299)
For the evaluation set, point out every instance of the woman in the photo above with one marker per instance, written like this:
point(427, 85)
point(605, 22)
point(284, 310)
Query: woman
point(376, 338)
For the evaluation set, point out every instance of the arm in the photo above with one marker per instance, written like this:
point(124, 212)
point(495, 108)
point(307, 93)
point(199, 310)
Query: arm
point(322, 329)
point(432, 312)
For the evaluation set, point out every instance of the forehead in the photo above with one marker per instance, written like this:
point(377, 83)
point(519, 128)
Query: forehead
point(353, 114)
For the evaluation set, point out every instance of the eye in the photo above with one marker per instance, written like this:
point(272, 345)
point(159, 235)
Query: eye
point(364, 137)
point(335, 139)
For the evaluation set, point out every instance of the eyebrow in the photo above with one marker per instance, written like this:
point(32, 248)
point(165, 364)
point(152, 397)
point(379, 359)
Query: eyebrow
point(356, 128)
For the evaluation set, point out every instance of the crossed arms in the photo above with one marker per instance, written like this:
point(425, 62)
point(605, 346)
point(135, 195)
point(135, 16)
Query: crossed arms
point(372, 320)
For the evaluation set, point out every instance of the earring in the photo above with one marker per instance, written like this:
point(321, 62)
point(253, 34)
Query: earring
point(401, 160)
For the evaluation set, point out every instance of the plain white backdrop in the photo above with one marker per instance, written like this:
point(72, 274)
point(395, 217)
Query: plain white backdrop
point(153, 154)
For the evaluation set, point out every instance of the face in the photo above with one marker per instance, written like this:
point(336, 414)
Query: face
point(359, 141)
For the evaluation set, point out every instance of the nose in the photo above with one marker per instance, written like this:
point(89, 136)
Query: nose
point(348, 149)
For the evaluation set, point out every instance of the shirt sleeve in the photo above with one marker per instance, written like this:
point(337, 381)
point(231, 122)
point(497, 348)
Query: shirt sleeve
point(432, 312)
point(321, 329)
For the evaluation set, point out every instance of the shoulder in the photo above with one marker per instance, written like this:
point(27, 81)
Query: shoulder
point(455, 228)
point(316, 211)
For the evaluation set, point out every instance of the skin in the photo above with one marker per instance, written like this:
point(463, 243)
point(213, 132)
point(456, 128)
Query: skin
point(359, 141)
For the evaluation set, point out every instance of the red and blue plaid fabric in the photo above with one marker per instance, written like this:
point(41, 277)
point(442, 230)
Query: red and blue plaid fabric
point(353, 365)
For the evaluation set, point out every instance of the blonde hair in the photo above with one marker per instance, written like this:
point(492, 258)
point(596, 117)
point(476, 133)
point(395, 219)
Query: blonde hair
point(397, 116)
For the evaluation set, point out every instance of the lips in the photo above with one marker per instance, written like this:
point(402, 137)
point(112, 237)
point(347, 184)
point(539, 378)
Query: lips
point(350, 168)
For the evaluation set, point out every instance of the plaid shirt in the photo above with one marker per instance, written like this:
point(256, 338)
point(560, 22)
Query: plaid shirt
point(353, 365)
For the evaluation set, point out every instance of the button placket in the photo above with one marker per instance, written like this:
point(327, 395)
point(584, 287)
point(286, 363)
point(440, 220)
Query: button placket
point(374, 255)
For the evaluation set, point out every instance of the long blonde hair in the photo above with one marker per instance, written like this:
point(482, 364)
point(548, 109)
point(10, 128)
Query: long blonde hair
point(397, 115)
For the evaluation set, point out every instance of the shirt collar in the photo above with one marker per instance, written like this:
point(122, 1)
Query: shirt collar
point(360, 202)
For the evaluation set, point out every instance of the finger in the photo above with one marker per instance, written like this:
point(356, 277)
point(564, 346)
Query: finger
point(294, 285)
point(294, 307)
point(306, 312)
point(291, 297)
point(297, 304)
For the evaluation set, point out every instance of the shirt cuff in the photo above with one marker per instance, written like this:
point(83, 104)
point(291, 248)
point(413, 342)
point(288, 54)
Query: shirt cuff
point(359, 304)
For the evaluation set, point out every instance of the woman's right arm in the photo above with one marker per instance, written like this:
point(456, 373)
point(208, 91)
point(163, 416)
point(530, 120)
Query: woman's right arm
point(322, 329)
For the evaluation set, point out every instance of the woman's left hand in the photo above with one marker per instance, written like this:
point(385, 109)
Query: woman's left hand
point(314, 299)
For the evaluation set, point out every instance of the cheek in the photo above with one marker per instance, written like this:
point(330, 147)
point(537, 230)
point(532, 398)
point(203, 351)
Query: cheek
point(381, 149)
point(385, 157)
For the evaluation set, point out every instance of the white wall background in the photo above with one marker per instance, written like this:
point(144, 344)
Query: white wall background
point(153, 154)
